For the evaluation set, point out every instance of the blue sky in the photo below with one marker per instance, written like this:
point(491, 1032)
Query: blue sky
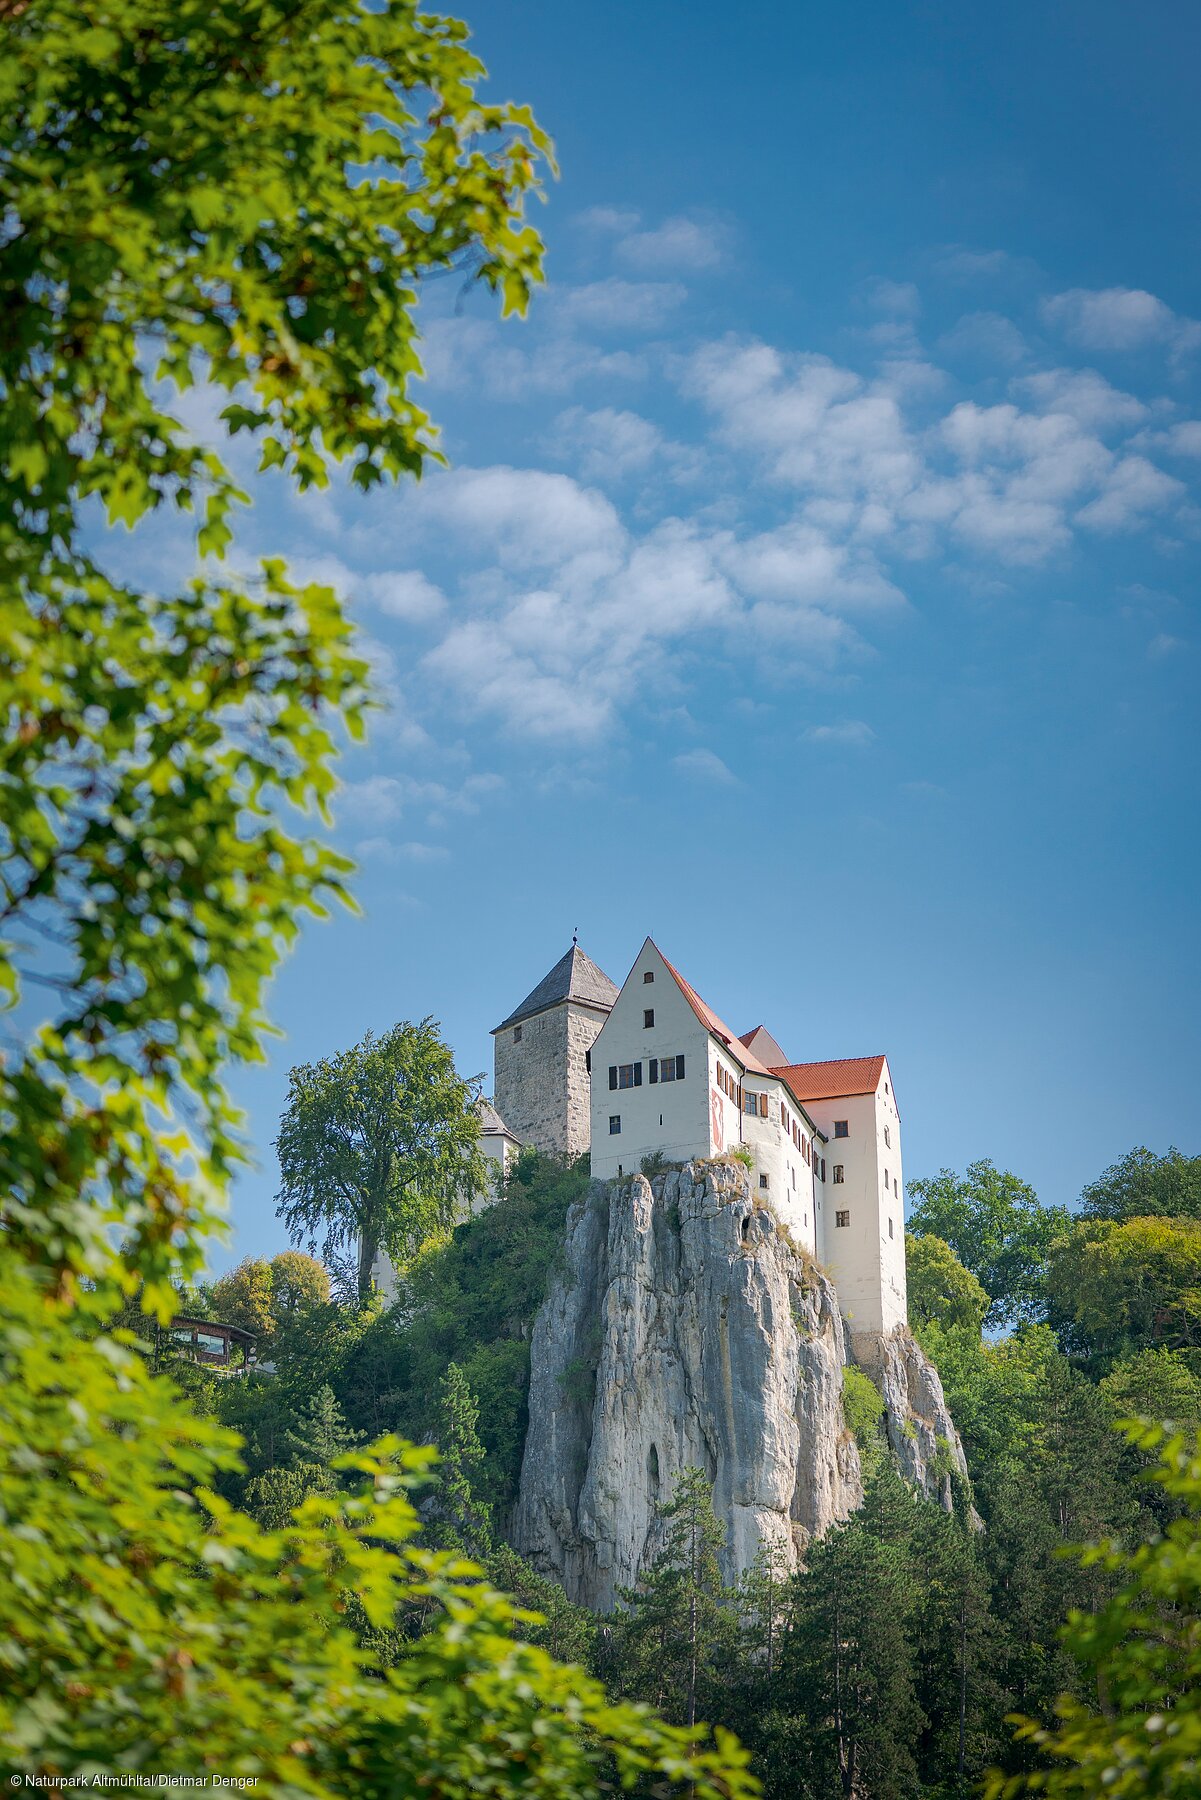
point(815, 583)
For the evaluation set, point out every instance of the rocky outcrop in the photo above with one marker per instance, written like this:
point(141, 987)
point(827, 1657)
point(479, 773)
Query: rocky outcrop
point(686, 1329)
point(921, 1432)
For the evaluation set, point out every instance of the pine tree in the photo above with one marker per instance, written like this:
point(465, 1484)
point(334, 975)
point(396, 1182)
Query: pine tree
point(679, 1619)
point(321, 1433)
point(849, 1666)
point(456, 1519)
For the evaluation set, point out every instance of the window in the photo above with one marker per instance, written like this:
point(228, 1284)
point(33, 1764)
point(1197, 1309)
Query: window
point(887, 1138)
point(823, 1168)
point(842, 1128)
point(750, 1104)
point(612, 1075)
point(648, 1017)
point(890, 1228)
point(885, 1087)
point(588, 1061)
point(649, 975)
point(842, 1218)
point(895, 1189)
point(806, 1152)
point(517, 1034)
point(615, 1125)
point(667, 1068)
point(837, 1174)
point(629, 1075)
point(764, 1181)
point(886, 1181)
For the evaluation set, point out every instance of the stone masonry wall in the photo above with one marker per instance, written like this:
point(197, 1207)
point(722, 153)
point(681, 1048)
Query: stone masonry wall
point(541, 1084)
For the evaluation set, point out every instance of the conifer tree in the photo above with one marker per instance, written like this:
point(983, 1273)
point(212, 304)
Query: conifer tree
point(850, 1667)
point(457, 1520)
point(679, 1617)
point(321, 1433)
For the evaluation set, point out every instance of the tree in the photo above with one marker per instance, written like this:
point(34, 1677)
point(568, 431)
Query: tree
point(180, 200)
point(1116, 1287)
point(849, 1666)
point(262, 1296)
point(207, 1644)
point(458, 1520)
point(1144, 1184)
point(678, 1617)
point(940, 1288)
point(243, 193)
point(1143, 1650)
point(297, 1282)
point(997, 1228)
point(378, 1147)
point(244, 1297)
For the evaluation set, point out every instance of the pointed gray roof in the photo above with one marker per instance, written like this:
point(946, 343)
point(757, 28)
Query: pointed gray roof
point(491, 1123)
point(574, 977)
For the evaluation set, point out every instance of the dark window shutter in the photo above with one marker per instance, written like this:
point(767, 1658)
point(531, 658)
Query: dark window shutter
point(612, 1075)
point(637, 1074)
point(679, 1068)
point(654, 1070)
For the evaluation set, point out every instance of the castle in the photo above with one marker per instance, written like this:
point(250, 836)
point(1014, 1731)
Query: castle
point(649, 1071)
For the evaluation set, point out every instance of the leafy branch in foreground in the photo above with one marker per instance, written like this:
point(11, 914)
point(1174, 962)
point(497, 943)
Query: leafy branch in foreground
point(200, 1643)
point(243, 194)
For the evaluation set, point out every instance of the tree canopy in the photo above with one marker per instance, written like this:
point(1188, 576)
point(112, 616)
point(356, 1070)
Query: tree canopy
point(997, 1228)
point(378, 1147)
point(1115, 1287)
point(1143, 1183)
point(940, 1289)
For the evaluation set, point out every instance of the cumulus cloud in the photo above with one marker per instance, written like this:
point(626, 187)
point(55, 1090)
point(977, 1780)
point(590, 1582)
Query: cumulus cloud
point(1083, 394)
point(987, 336)
point(679, 244)
point(607, 442)
point(899, 298)
point(854, 732)
point(705, 765)
point(1118, 318)
point(617, 305)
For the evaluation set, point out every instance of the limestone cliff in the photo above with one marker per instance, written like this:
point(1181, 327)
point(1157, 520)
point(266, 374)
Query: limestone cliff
point(684, 1328)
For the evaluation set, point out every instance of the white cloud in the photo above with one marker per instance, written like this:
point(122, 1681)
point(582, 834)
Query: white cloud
point(374, 799)
point(608, 442)
point(609, 218)
point(522, 360)
point(1133, 488)
point(854, 732)
point(680, 243)
point(895, 297)
point(706, 765)
point(617, 305)
point(1086, 396)
point(1118, 319)
point(1183, 439)
point(526, 518)
point(989, 336)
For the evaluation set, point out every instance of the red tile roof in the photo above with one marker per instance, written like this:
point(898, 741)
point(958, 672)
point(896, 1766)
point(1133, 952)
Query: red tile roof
point(739, 1053)
point(832, 1080)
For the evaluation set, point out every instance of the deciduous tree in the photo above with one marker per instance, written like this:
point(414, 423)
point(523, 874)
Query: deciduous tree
point(378, 1147)
point(997, 1228)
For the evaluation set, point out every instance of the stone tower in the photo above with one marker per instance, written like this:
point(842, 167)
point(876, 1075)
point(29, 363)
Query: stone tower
point(541, 1056)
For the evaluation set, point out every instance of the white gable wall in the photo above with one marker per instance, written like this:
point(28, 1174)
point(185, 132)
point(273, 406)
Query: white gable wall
point(667, 1117)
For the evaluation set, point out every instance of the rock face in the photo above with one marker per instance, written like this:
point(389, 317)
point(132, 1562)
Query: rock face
point(685, 1329)
point(921, 1433)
